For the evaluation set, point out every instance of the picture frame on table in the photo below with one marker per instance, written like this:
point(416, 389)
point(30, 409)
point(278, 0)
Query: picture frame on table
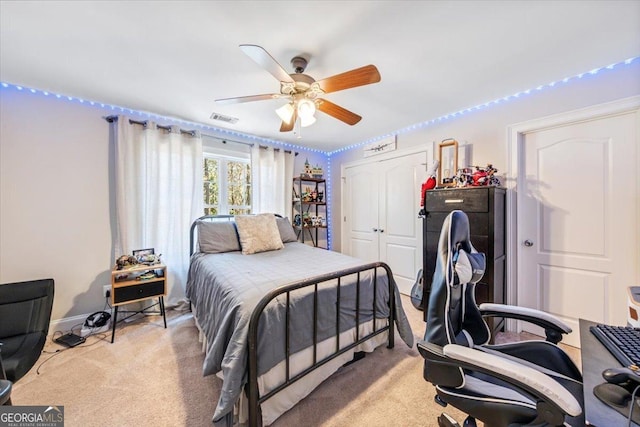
point(139, 253)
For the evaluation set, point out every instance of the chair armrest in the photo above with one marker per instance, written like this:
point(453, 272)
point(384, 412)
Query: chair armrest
point(543, 387)
point(3, 374)
point(553, 327)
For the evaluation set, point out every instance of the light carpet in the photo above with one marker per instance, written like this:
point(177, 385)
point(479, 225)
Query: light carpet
point(152, 376)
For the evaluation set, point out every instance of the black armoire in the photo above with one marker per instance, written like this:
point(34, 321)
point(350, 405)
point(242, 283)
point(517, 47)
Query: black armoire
point(485, 207)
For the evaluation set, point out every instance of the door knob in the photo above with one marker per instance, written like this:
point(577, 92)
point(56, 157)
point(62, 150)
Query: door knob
point(375, 230)
point(528, 243)
point(382, 230)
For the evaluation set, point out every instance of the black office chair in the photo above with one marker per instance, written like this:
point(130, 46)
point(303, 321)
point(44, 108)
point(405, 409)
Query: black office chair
point(525, 383)
point(5, 384)
point(25, 313)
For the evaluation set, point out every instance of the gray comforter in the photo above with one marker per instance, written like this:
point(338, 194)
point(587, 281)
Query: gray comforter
point(226, 287)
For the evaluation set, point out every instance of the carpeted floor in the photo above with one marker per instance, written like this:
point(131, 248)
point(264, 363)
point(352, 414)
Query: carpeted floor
point(153, 377)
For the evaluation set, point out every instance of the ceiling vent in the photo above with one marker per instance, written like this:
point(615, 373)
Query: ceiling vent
point(223, 118)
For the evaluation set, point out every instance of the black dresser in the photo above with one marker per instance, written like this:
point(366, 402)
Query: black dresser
point(485, 207)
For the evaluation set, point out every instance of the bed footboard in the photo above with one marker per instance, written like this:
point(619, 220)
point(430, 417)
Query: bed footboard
point(255, 400)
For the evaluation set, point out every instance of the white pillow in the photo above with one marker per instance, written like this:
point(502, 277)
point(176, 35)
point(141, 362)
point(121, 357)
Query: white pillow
point(258, 233)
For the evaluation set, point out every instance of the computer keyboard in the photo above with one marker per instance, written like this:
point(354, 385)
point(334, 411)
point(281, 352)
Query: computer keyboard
point(623, 342)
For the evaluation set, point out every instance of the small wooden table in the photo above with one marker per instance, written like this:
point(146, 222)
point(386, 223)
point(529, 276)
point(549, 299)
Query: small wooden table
point(138, 283)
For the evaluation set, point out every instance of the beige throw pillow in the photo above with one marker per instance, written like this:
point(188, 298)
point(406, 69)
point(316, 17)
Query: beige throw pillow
point(258, 233)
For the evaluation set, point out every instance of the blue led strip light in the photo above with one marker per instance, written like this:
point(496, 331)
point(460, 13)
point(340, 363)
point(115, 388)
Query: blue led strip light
point(154, 116)
point(517, 95)
point(409, 128)
point(328, 201)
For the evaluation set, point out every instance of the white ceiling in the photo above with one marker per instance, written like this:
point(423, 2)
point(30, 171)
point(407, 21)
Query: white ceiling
point(173, 58)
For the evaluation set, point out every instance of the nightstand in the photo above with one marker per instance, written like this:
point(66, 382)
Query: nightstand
point(138, 283)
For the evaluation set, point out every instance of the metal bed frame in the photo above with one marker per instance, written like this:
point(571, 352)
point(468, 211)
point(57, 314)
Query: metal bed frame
point(253, 395)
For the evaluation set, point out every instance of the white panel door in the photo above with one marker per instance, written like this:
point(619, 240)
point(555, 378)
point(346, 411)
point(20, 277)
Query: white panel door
point(381, 202)
point(577, 221)
point(361, 213)
point(400, 229)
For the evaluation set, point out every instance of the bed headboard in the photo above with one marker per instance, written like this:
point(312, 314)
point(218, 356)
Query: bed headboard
point(193, 242)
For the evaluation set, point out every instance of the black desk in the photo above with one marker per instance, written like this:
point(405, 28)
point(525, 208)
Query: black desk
point(595, 359)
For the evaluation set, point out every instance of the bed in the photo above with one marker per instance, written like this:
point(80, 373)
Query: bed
point(279, 320)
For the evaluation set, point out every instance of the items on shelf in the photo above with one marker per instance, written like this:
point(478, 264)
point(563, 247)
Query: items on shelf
point(310, 195)
point(126, 261)
point(147, 256)
point(307, 220)
point(311, 171)
point(309, 208)
point(139, 257)
point(147, 275)
point(149, 259)
point(481, 176)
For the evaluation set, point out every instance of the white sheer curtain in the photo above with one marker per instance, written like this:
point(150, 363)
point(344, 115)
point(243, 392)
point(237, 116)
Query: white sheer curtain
point(158, 176)
point(272, 180)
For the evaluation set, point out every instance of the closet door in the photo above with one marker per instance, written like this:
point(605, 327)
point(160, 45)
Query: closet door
point(381, 203)
point(361, 213)
point(400, 229)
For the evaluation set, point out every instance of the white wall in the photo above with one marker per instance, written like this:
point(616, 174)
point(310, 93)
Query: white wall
point(55, 200)
point(56, 197)
point(486, 129)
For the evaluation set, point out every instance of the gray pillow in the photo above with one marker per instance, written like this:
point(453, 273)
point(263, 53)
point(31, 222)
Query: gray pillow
point(287, 233)
point(217, 237)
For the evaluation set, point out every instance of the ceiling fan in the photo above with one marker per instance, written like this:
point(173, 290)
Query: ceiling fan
point(304, 92)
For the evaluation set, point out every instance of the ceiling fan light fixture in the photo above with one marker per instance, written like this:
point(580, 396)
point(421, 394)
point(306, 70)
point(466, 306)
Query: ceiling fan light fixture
point(286, 112)
point(306, 109)
point(307, 121)
point(303, 91)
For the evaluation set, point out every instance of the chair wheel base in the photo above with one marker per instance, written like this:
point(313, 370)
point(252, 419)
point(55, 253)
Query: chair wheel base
point(469, 422)
point(445, 420)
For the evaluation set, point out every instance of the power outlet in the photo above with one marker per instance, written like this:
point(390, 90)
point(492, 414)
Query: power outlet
point(106, 291)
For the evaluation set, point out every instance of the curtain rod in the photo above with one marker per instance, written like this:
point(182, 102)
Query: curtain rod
point(250, 144)
point(112, 119)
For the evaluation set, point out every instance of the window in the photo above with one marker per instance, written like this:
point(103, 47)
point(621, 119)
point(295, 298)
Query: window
point(227, 185)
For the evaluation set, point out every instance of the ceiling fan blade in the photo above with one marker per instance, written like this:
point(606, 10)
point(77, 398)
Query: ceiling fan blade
point(266, 61)
point(240, 99)
point(338, 112)
point(288, 127)
point(354, 78)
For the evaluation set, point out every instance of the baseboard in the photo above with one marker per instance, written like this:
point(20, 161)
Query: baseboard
point(65, 324)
